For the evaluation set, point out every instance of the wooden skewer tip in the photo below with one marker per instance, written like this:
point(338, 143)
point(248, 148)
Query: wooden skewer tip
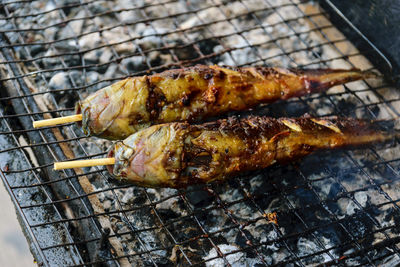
point(56, 121)
point(83, 163)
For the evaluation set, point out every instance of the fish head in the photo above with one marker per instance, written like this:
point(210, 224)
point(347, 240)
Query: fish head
point(100, 110)
point(151, 157)
point(116, 111)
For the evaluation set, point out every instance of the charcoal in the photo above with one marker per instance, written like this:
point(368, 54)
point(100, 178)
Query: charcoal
point(200, 198)
point(37, 49)
point(134, 64)
point(242, 240)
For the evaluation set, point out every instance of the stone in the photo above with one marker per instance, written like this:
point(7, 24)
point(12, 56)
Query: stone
point(111, 71)
point(59, 81)
point(129, 16)
point(77, 77)
point(90, 40)
point(120, 37)
point(92, 77)
point(107, 205)
point(150, 38)
point(235, 259)
point(154, 58)
point(128, 196)
point(74, 27)
point(50, 33)
point(135, 63)
point(92, 57)
point(105, 56)
point(361, 198)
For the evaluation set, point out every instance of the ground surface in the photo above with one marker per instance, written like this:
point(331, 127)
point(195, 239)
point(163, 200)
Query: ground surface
point(14, 249)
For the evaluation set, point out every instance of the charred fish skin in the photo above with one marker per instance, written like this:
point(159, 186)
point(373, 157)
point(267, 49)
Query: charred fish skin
point(178, 154)
point(193, 93)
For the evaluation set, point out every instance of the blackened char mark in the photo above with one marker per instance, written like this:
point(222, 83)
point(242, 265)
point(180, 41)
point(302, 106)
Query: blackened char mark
point(208, 76)
point(172, 74)
point(203, 71)
point(220, 75)
point(266, 71)
point(207, 73)
point(248, 128)
point(183, 72)
point(315, 86)
point(188, 98)
point(155, 101)
point(78, 110)
point(185, 100)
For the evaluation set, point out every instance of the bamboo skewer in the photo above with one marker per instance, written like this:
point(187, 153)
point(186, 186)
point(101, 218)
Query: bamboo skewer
point(83, 163)
point(56, 121)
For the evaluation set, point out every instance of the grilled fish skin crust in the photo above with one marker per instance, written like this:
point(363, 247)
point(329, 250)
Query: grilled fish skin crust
point(179, 154)
point(193, 93)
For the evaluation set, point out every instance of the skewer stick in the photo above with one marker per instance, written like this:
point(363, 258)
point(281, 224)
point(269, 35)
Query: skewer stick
point(83, 163)
point(55, 121)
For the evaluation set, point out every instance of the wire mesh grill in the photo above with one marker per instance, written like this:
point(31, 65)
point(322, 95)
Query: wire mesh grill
point(336, 208)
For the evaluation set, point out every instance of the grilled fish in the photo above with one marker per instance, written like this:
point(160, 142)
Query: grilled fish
point(179, 154)
point(193, 93)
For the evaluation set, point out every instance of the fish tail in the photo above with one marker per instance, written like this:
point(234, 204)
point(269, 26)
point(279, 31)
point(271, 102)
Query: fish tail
point(320, 80)
point(326, 133)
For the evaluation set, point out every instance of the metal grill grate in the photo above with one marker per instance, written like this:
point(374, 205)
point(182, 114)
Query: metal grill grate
point(334, 208)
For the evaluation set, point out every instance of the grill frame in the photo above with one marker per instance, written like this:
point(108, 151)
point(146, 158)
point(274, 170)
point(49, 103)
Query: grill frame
point(49, 143)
